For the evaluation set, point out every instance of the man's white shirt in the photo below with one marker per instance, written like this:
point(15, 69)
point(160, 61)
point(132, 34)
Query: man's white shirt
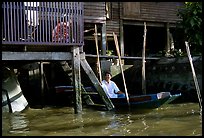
point(110, 88)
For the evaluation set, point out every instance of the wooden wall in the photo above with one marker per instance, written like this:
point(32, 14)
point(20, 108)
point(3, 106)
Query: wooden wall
point(113, 24)
point(151, 11)
point(131, 13)
point(94, 12)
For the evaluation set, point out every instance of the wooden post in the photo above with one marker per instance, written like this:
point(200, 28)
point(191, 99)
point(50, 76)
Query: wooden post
point(42, 83)
point(98, 61)
point(143, 61)
point(194, 75)
point(120, 62)
point(104, 39)
point(122, 39)
point(77, 79)
point(167, 38)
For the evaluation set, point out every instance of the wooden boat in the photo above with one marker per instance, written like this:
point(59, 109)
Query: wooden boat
point(149, 101)
point(137, 102)
point(13, 99)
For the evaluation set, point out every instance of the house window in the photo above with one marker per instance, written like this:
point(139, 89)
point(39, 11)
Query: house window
point(108, 10)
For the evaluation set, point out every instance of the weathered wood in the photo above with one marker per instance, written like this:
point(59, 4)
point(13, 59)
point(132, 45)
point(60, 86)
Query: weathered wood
point(97, 52)
point(42, 83)
point(110, 57)
point(96, 84)
point(113, 24)
point(94, 12)
point(103, 37)
point(77, 79)
point(151, 11)
point(36, 56)
point(118, 52)
point(167, 47)
point(122, 39)
point(143, 61)
point(131, 9)
point(68, 70)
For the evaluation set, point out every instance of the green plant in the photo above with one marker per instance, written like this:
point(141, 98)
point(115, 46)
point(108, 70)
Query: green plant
point(191, 15)
point(171, 53)
point(109, 52)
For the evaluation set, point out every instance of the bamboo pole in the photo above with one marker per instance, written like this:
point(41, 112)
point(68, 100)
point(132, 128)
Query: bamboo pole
point(120, 62)
point(98, 61)
point(194, 75)
point(143, 61)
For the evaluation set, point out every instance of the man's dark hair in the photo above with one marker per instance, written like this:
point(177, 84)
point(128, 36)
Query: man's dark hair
point(107, 72)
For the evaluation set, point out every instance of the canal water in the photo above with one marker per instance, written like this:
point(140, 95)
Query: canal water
point(169, 120)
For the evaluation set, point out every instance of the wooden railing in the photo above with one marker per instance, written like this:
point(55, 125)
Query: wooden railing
point(43, 23)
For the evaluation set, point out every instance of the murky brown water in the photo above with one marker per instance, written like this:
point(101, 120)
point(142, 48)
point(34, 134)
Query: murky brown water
point(170, 120)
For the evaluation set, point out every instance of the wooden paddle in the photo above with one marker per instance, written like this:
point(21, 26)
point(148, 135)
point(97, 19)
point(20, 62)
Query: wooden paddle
point(98, 61)
point(120, 62)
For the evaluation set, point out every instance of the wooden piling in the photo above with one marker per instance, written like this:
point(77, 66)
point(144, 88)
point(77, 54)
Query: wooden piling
point(42, 83)
point(77, 79)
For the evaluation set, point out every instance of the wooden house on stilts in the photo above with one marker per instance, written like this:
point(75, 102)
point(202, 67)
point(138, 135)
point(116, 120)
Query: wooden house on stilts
point(35, 34)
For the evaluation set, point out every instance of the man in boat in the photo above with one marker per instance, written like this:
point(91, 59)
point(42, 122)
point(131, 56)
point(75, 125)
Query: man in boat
point(111, 88)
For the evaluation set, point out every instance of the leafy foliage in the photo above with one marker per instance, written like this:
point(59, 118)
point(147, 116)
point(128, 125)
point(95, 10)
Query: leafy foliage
point(191, 15)
point(171, 53)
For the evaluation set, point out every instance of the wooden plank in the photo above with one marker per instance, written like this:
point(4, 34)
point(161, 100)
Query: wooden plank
point(68, 70)
point(96, 84)
point(36, 56)
point(77, 79)
point(151, 11)
point(122, 57)
point(94, 12)
point(131, 9)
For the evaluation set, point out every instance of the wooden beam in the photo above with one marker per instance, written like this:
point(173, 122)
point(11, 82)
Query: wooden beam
point(110, 57)
point(96, 84)
point(36, 56)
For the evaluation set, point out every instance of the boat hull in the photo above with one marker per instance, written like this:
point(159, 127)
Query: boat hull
point(13, 99)
point(150, 101)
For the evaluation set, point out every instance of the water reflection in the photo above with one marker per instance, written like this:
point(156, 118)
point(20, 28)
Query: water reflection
point(19, 123)
point(171, 120)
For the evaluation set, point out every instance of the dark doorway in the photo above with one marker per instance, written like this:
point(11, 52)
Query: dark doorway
point(133, 40)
